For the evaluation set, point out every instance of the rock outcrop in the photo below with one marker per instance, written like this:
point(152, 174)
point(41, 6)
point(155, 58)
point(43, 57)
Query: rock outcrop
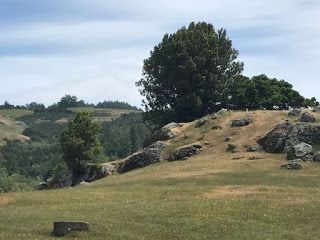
point(275, 141)
point(200, 123)
point(149, 155)
point(241, 122)
point(232, 148)
point(302, 151)
point(184, 153)
point(163, 134)
point(292, 165)
point(307, 117)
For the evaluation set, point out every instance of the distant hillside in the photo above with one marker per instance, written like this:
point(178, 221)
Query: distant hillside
point(213, 195)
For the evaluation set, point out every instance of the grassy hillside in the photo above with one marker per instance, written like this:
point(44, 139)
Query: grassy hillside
point(209, 196)
point(9, 127)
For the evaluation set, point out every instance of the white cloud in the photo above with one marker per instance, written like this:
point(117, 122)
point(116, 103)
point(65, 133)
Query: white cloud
point(97, 51)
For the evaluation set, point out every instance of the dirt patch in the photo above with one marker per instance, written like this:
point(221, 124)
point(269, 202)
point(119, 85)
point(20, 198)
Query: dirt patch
point(4, 200)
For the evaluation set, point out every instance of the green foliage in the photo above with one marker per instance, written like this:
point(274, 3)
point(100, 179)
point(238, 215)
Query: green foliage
point(32, 160)
point(263, 92)
point(312, 102)
point(79, 142)
point(125, 135)
point(15, 182)
point(188, 74)
point(115, 105)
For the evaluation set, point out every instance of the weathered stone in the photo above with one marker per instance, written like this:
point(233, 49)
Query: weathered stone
point(61, 229)
point(308, 158)
point(222, 111)
point(292, 165)
point(303, 132)
point(253, 148)
point(232, 148)
point(184, 153)
point(298, 151)
point(149, 155)
point(241, 122)
point(316, 109)
point(294, 112)
point(275, 140)
point(163, 134)
point(316, 157)
point(307, 117)
point(200, 123)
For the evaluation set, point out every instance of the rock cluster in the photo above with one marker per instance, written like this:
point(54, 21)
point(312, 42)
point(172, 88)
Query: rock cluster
point(184, 153)
point(302, 151)
point(149, 155)
point(307, 117)
point(253, 148)
point(241, 122)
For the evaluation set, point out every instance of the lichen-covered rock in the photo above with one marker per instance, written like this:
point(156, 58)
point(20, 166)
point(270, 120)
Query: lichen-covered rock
point(222, 111)
point(200, 123)
point(303, 132)
point(253, 148)
point(275, 140)
point(294, 112)
point(149, 155)
point(164, 133)
point(299, 150)
point(232, 148)
point(241, 122)
point(307, 117)
point(292, 165)
point(316, 157)
point(316, 109)
point(184, 153)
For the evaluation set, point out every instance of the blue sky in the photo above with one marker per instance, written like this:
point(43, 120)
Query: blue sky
point(94, 49)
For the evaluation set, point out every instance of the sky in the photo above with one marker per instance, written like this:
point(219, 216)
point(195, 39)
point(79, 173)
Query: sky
point(94, 49)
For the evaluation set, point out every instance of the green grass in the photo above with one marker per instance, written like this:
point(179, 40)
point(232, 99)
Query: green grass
point(103, 114)
point(172, 208)
point(14, 113)
point(209, 196)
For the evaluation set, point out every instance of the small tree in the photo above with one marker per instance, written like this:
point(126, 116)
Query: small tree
point(79, 142)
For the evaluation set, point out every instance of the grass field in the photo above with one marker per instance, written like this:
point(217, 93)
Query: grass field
point(209, 196)
point(103, 114)
point(9, 128)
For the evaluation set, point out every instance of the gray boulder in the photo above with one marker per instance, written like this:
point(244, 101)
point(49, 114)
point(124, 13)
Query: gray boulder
point(275, 140)
point(294, 112)
point(307, 117)
point(200, 123)
point(316, 157)
point(300, 151)
point(164, 133)
point(184, 153)
point(253, 148)
point(61, 229)
point(222, 111)
point(149, 155)
point(292, 165)
point(303, 132)
point(232, 148)
point(241, 122)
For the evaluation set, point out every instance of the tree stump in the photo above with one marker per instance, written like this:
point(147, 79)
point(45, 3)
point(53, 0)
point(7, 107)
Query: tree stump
point(64, 228)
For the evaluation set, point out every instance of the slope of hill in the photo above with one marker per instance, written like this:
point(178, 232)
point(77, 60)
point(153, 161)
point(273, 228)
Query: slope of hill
point(214, 195)
point(10, 128)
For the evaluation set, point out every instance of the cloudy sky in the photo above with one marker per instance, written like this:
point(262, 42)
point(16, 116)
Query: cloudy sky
point(94, 49)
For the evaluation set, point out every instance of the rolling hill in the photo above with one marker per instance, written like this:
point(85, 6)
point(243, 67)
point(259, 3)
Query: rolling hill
point(213, 195)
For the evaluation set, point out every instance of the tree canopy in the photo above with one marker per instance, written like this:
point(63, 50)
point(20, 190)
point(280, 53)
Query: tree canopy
point(195, 71)
point(188, 73)
point(79, 142)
